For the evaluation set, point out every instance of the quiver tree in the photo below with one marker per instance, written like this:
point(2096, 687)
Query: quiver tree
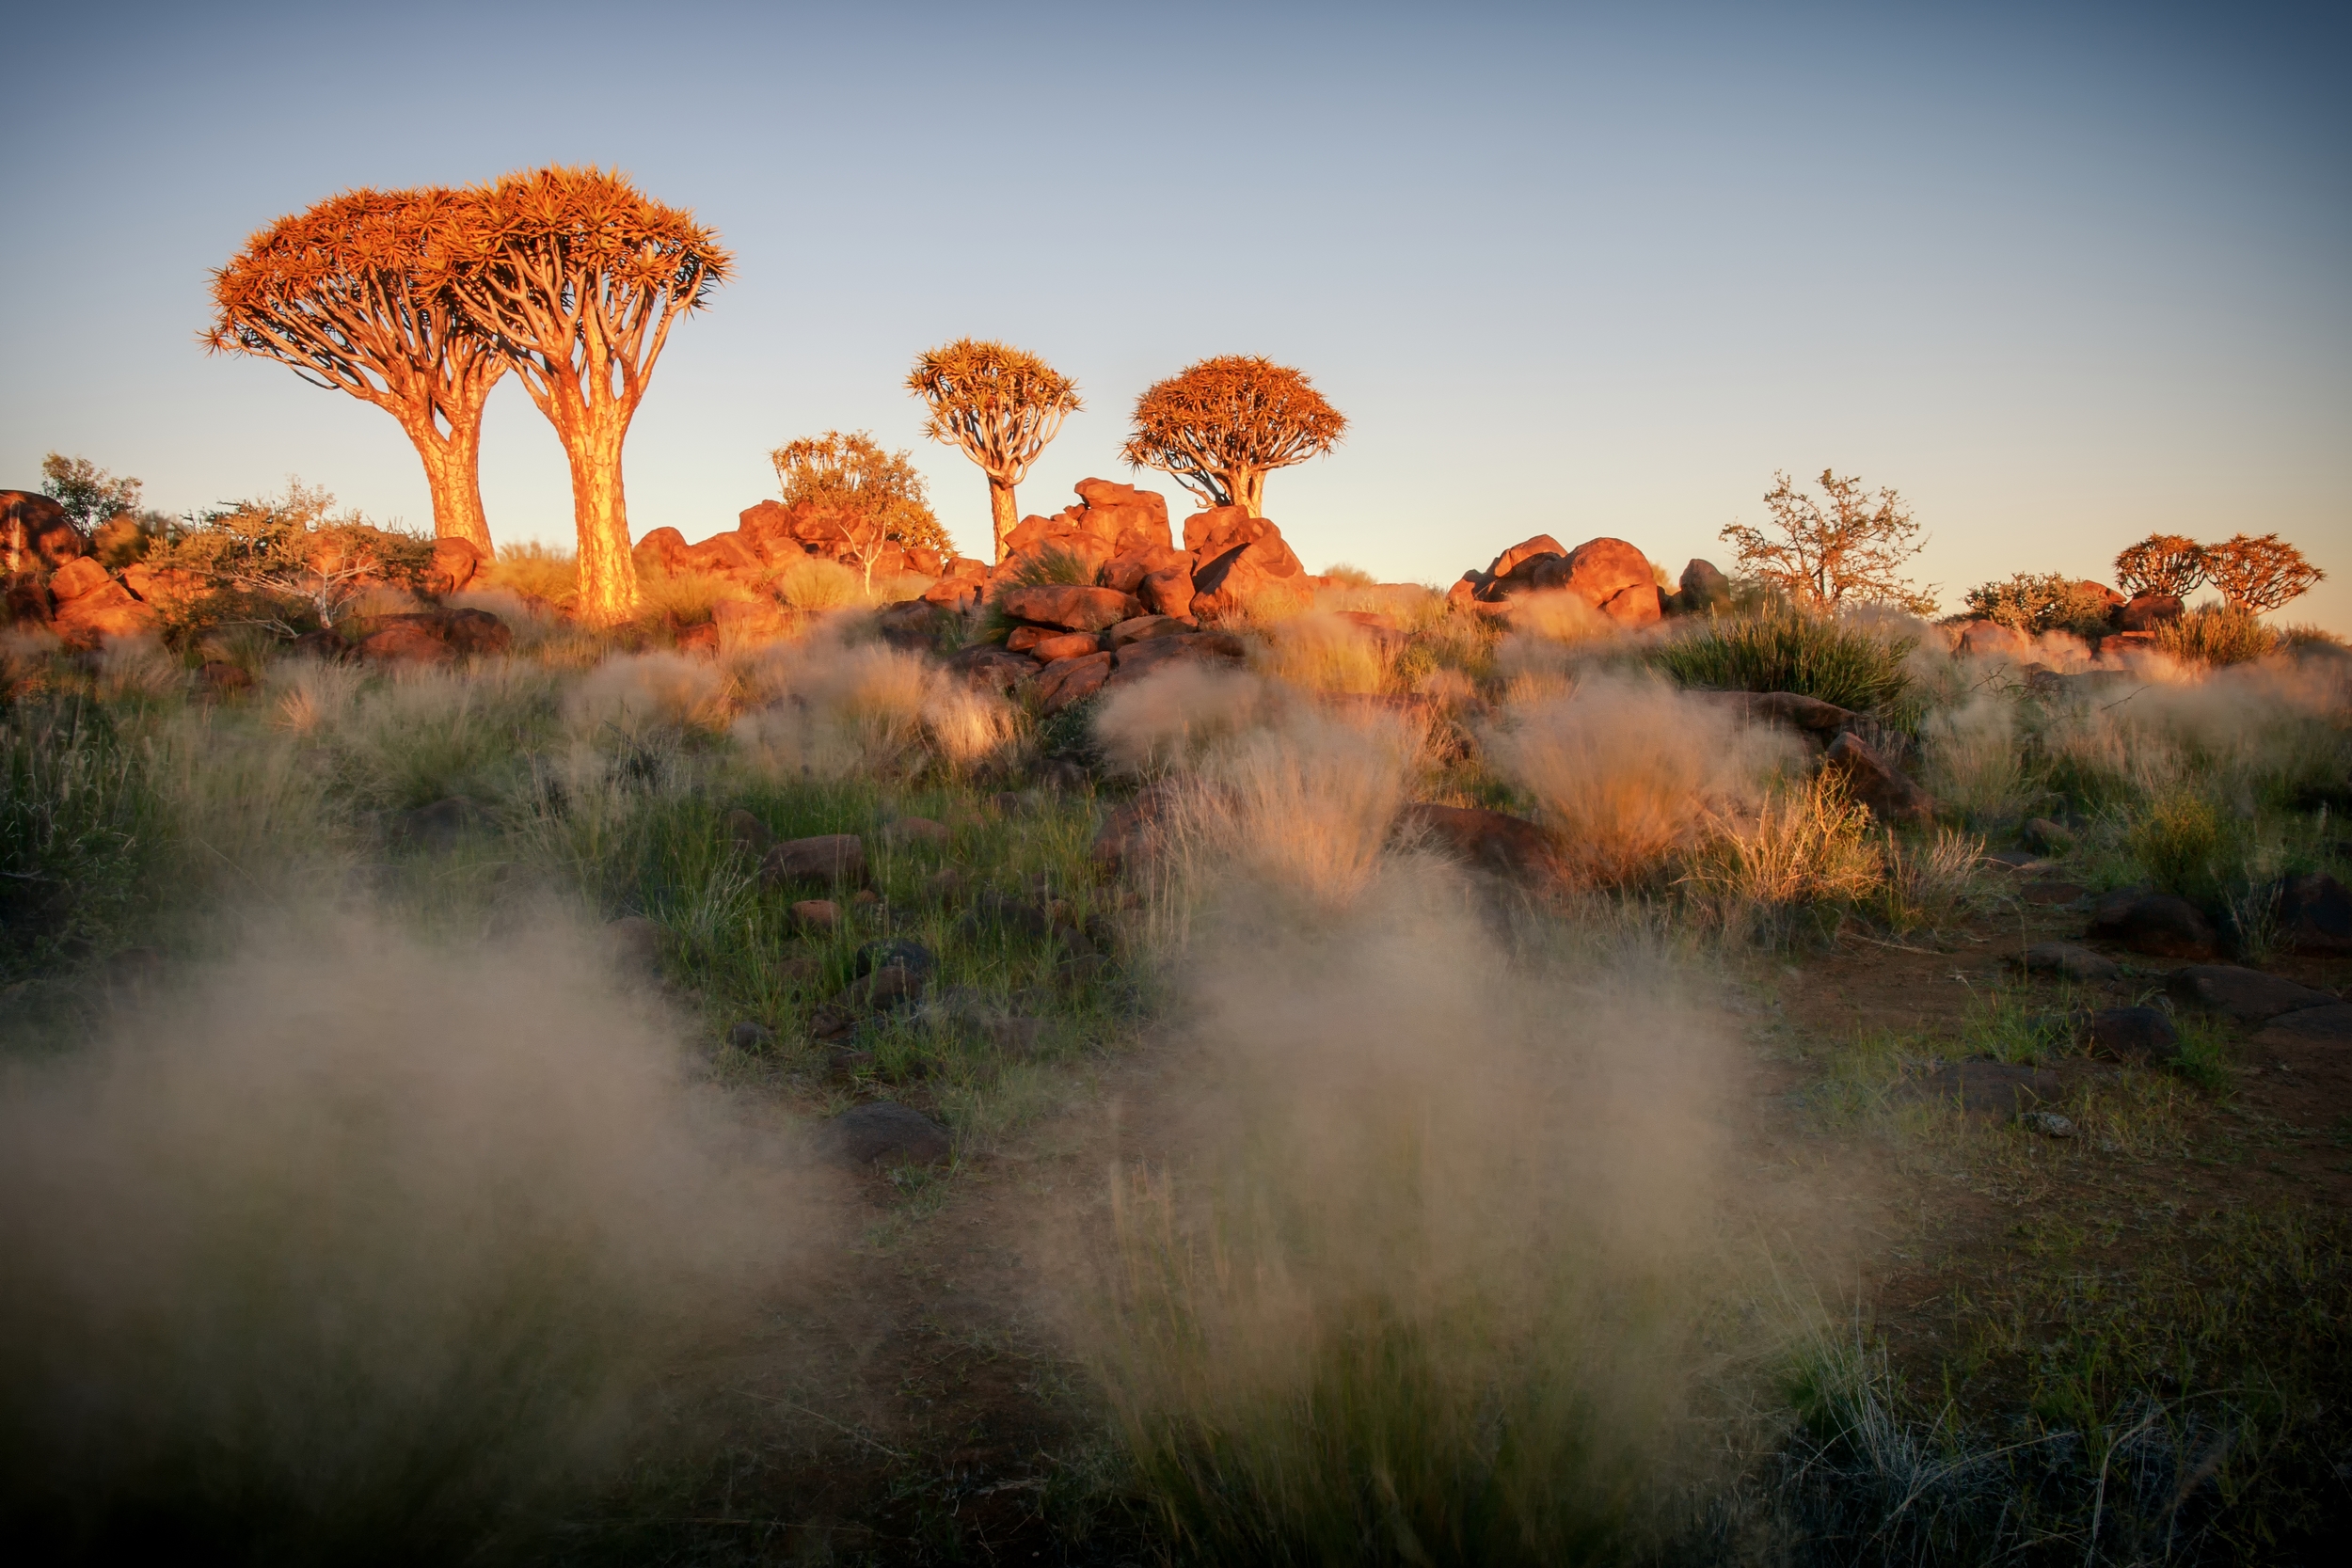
point(1001, 405)
point(577, 275)
point(1854, 548)
point(351, 294)
point(876, 497)
point(2259, 573)
point(1219, 426)
point(2162, 563)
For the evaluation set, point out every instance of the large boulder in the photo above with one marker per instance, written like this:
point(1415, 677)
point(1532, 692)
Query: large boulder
point(884, 1133)
point(1492, 841)
point(1070, 681)
point(453, 564)
point(1512, 569)
point(1170, 593)
point(102, 613)
point(659, 550)
point(1991, 640)
point(1240, 561)
point(2247, 995)
point(1869, 777)
point(80, 576)
point(2129, 1035)
point(2155, 924)
point(2314, 914)
point(1613, 577)
point(34, 527)
point(2330, 1025)
point(1070, 607)
point(2148, 613)
point(1128, 572)
point(1134, 661)
point(990, 668)
point(1704, 588)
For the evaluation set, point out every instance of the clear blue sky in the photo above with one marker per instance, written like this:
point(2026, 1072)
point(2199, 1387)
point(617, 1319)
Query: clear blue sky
point(2061, 275)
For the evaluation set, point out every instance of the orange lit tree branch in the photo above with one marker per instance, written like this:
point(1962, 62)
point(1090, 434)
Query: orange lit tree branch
point(1218, 427)
point(337, 291)
point(2162, 563)
point(1001, 405)
point(579, 276)
point(2259, 572)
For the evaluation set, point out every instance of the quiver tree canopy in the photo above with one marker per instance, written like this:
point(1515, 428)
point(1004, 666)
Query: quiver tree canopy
point(2259, 572)
point(355, 295)
point(1001, 405)
point(577, 277)
point(1218, 427)
point(2162, 563)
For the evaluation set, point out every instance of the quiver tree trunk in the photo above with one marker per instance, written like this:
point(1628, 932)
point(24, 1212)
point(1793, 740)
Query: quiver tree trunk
point(1003, 516)
point(608, 573)
point(452, 472)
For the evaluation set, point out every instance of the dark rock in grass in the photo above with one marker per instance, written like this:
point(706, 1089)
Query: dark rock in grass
point(1492, 841)
point(2001, 1089)
point(943, 884)
point(749, 1035)
point(916, 830)
point(844, 1064)
point(815, 916)
point(2309, 1027)
point(990, 668)
point(2247, 995)
point(2130, 1035)
point(825, 857)
point(912, 624)
point(2314, 914)
point(2156, 924)
point(886, 1132)
point(2068, 961)
point(1135, 834)
point(435, 826)
point(2052, 894)
point(223, 679)
point(1068, 682)
point(1703, 588)
point(1063, 776)
point(897, 953)
point(1878, 784)
point(2048, 1123)
point(636, 942)
point(831, 1021)
point(2044, 836)
point(749, 834)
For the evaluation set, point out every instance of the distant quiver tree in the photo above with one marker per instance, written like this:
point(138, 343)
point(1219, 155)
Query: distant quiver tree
point(1001, 405)
point(350, 293)
point(1851, 549)
point(577, 277)
point(1219, 427)
point(2259, 572)
point(2162, 563)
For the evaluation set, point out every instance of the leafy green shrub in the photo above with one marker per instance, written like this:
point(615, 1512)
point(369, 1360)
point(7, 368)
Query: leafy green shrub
point(2043, 601)
point(2181, 843)
point(2216, 635)
point(289, 562)
point(1787, 648)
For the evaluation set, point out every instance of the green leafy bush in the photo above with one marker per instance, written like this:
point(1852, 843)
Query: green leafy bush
point(2043, 601)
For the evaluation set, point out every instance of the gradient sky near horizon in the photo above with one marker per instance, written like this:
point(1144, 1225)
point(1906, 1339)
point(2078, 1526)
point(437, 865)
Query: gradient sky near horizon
point(2062, 275)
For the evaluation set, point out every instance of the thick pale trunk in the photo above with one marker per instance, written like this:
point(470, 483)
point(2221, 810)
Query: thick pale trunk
point(452, 470)
point(1249, 492)
point(608, 573)
point(1001, 512)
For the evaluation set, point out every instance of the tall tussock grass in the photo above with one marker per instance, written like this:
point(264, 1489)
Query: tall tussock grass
point(1787, 647)
point(1428, 1294)
point(349, 1249)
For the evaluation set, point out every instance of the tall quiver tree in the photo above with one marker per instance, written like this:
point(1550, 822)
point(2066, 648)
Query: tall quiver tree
point(343, 292)
point(1218, 427)
point(1001, 405)
point(577, 276)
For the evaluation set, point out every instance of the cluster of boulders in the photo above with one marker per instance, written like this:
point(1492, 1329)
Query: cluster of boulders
point(1606, 575)
point(53, 579)
point(773, 534)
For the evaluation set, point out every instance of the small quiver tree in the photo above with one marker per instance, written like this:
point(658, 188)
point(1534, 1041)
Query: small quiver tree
point(1854, 548)
point(2259, 573)
point(578, 277)
point(876, 497)
point(1219, 427)
point(350, 293)
point(1002, 406)
point(2161, 563)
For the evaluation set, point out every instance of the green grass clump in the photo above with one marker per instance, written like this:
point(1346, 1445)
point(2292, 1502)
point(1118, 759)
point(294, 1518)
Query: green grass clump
point(1788, 648)
point(76, 817)
point(2215, 635)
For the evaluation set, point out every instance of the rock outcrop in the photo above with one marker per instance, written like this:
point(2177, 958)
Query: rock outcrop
point(1607, 574)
